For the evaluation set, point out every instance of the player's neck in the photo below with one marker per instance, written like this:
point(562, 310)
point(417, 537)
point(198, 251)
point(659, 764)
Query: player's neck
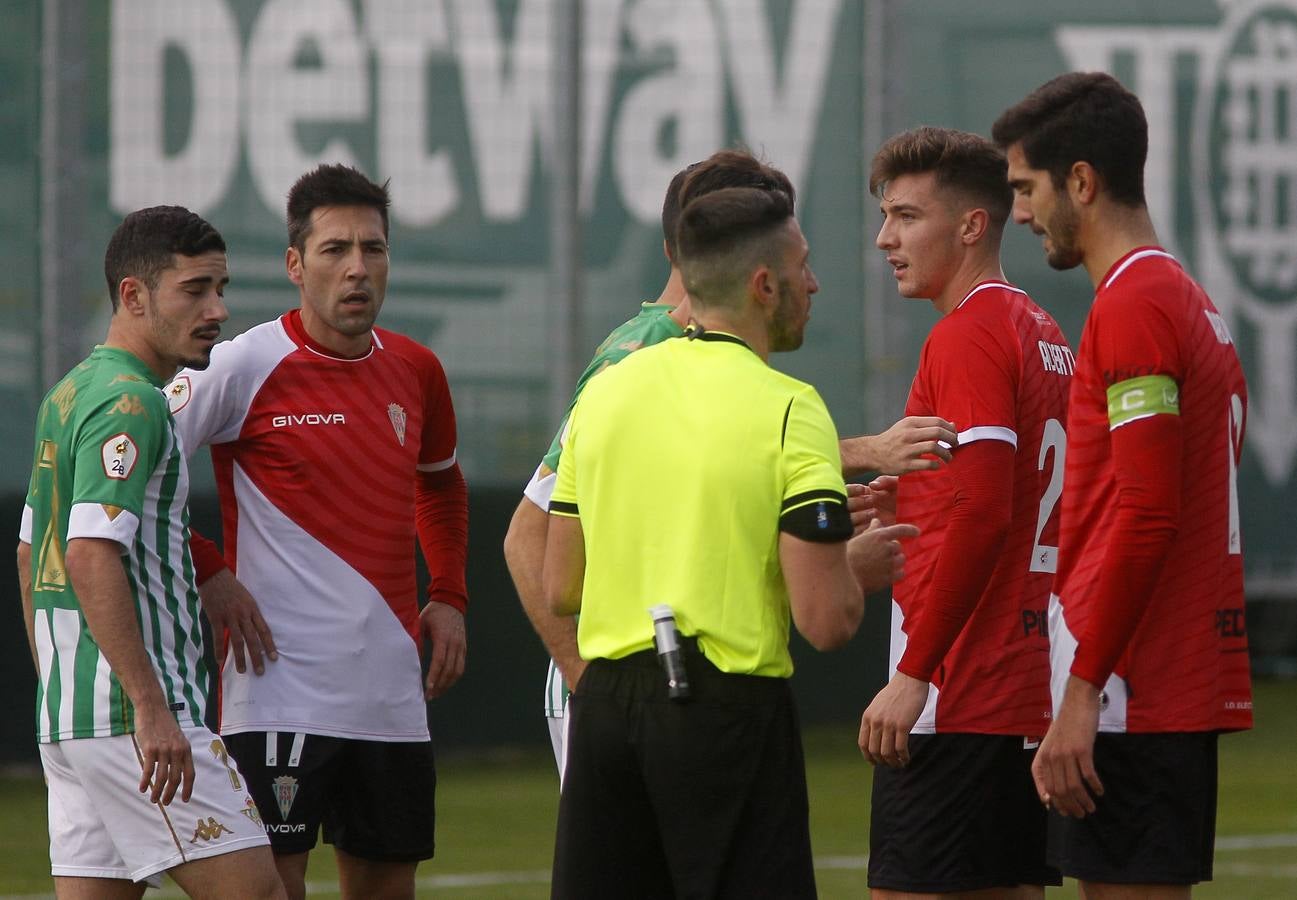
point(121, 338)
point(674, 295)
point(973, 272)
point(750, 327)
point(1112, 231)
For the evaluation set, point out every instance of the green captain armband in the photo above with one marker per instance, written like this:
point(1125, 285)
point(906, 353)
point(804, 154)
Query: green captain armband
point(1136, 398)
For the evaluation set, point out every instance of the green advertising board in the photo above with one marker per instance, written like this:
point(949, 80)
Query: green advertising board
point(220, 104)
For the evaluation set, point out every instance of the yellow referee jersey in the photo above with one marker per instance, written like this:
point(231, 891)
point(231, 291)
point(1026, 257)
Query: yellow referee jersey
point(680, 462)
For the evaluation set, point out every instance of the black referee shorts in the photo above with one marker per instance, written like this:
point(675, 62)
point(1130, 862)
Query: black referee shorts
point(665, 799)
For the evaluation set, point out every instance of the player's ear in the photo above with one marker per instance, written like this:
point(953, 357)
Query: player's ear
point(1083, 182)
point(132, 296)
point(764, 287)
point(293, 263)
point(973, 225)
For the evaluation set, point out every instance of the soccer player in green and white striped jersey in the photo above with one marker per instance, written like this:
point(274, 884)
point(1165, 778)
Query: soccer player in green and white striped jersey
point(111, 608)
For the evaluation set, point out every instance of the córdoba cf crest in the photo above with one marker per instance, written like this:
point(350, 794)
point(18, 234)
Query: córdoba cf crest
point(285, 794)
point(397, 415)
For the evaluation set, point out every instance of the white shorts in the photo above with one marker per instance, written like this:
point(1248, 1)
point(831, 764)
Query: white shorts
point(101, 826)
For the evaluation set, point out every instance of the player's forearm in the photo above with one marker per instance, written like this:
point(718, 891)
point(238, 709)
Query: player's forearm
point(978, 524)
point(1146, 460)
point(563, 574)
point(25, 588)
point(207, 557)
point(95, 570)
point(859, 455)
point(441, 520)
point(524, 554)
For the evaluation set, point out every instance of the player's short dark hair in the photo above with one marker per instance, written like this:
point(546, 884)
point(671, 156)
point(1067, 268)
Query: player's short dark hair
point(144, 244)
point(722, 235)
point(331, 184)
point(723, 169)
point(1081, 117)
point(965, 163)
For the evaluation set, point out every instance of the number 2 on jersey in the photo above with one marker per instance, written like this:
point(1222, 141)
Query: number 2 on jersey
point(1044, 557)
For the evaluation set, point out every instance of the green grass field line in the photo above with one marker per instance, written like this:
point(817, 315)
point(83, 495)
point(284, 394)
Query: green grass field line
point(496, 816)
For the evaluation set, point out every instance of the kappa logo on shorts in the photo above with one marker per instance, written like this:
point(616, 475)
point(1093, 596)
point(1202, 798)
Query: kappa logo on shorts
point(285, 787)
point(208, 830)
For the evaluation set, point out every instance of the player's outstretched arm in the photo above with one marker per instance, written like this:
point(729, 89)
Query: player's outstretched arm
point(25, 588)
point(95, 569)
point(524, 553)
point(233, 612)
point(913, 444)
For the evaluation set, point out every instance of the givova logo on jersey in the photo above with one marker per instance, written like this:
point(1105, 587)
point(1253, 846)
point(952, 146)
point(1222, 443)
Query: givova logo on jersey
point(1238, 220)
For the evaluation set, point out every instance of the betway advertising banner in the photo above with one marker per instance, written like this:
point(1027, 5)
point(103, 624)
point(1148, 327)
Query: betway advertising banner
point(221, 104)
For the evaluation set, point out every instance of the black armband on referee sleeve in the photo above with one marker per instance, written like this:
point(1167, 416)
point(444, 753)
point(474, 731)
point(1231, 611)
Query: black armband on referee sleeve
point(819, 516)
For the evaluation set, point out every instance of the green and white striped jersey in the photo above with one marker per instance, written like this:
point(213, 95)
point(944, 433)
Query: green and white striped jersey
point(109, 464)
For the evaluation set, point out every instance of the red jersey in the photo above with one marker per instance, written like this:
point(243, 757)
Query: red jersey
point(318, 461)
point(999, 368)
point(1154, 345)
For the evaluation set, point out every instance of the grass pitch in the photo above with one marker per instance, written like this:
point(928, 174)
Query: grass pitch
point(496, 820)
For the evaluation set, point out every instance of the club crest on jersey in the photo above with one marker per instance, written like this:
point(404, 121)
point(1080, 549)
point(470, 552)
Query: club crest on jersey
point(396, 414)
point(285, 793)
point(119, 456)
point(178, 393)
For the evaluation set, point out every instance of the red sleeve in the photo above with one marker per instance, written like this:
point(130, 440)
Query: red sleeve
point(982, 475)
point(439, 433)
point(208, 560)
point(441, 519)
point(1146, 466)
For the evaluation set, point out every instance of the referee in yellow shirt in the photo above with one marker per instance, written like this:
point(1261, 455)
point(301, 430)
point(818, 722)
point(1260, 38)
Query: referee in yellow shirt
point(694, 475)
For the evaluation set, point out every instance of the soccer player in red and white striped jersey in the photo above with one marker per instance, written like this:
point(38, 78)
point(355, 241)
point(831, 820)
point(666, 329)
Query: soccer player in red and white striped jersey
point(954, 810)
point(1149, 647)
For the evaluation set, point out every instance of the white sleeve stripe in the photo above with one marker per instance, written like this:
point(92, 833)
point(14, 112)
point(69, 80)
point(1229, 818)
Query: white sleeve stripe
point(989, 433)
point(89, 520)
point(440, 466)
point(541, 488)
point(1147, 415)
point(25, 527)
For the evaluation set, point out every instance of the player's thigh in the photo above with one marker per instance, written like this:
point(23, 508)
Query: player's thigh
point(383, 806)
point(246, 873)
point(961, 817)
point(99, 787)
point(1155, 824)
point(66, 888)
point(292, 777)
point(366, 879)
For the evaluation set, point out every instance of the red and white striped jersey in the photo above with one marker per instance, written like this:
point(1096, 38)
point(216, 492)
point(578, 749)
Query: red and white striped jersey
point(999, 368)
point(1185, 667)
point(316, 459)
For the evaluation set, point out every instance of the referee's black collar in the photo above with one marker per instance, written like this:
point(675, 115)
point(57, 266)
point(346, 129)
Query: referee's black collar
point(697, 332)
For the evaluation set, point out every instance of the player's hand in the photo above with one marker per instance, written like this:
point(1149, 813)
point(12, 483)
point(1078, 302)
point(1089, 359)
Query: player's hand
point(886, 723)
point(1063, 769)
point(166, 759)
point(879, 499)
point(443, 627)
point(874, 555)
point(234, 613)
point(911, 444)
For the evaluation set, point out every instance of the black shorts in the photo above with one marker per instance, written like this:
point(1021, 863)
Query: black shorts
point(375, 799)
point(699, 799)
point(962, 816)
point(1156, 820)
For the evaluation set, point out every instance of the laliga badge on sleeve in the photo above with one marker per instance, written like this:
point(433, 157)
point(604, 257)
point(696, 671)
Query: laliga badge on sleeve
point(119, 455)
point(178, 393)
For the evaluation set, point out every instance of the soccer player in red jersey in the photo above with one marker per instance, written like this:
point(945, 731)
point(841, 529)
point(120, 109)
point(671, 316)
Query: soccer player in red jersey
point(334, 446)
point(953, 806)
point(1148, 644)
